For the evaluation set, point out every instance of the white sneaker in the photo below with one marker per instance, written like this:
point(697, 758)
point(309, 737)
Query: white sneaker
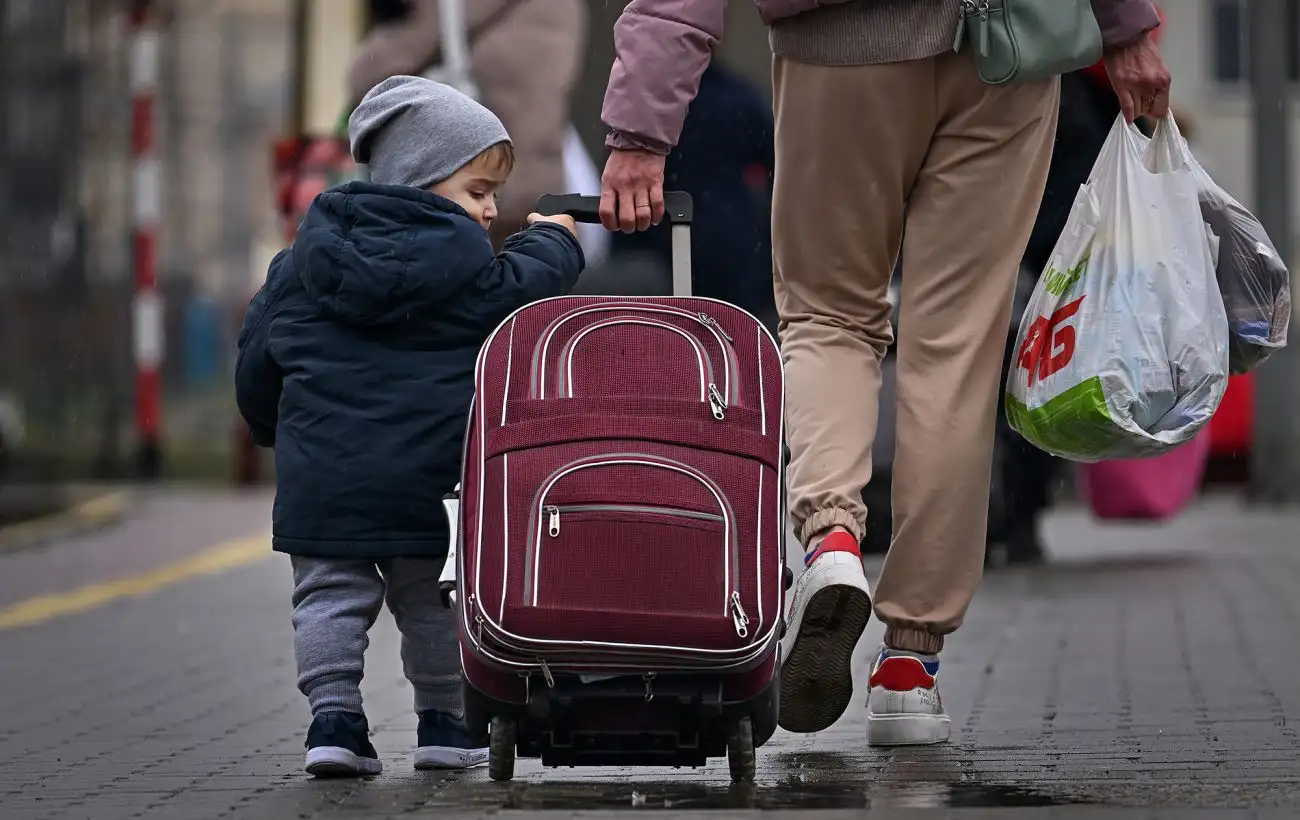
point(447, 757)
point(903, 703)
point(829, 610)
point(443, 743)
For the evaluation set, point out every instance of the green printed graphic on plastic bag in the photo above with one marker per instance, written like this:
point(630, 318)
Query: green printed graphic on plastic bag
point(1076, 421)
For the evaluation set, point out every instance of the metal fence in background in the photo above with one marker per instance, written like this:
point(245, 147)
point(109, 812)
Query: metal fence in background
point(66, 273)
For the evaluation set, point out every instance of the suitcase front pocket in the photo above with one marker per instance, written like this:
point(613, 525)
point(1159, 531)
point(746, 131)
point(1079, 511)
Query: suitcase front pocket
point(680, 557)
point(631, 559)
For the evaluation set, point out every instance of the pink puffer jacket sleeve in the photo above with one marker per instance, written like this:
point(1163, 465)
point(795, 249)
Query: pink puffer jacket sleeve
point(1123, 22)
point(661, 48)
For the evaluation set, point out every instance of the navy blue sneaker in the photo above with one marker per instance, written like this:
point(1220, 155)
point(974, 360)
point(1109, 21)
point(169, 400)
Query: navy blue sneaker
point(338, 745)
point(443, 743)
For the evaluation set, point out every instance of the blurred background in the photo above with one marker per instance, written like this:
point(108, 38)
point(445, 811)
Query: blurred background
point(154, 155)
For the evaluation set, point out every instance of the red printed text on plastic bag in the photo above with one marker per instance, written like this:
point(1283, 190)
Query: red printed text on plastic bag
point(1049, 344)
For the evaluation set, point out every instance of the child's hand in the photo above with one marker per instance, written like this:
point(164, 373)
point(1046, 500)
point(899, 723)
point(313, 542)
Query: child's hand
point(563, 220)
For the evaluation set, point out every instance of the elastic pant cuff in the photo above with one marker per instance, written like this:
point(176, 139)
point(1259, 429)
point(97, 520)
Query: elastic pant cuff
point(341, 694)
point(913, 640)
point(823, 520)
point(445, 699)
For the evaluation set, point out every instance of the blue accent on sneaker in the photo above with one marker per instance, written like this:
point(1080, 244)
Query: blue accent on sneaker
point(343, 730)
point(437, 729)
point(930, 662)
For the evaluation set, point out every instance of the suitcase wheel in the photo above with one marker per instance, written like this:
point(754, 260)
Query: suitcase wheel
point(740, 751)
point(502, 735)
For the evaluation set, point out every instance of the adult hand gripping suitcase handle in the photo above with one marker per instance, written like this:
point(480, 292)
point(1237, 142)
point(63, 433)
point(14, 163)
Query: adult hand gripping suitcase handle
point(678, 209)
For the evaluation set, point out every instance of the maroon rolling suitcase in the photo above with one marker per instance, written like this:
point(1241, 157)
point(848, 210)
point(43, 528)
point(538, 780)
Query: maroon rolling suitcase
point(620, 552)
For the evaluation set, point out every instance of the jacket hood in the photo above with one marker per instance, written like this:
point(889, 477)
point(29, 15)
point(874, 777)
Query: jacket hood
point(376, 255)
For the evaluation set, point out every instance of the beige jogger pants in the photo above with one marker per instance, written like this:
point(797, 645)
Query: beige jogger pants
point(855, 145)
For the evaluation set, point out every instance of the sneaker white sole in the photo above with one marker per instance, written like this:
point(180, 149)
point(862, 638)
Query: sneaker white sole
point(907, 730)
point(445, 757)
point(335, 761)
point(817, 671)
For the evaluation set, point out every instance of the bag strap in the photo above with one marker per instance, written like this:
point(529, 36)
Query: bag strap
point(452, 60)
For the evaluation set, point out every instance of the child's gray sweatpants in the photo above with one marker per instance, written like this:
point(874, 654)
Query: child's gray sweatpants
point(335, 602)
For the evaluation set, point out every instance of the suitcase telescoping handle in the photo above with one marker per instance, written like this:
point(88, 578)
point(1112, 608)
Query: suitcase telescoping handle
point(678, 211)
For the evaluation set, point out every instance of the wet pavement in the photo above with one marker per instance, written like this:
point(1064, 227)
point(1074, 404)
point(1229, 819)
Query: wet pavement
point(148, 673)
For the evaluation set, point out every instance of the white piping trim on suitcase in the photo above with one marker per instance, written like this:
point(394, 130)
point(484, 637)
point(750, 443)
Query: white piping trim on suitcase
point(701, 356)
point(505, 475)
point(510, 357)
point(758, 565)
point(759, 647)
point(505, 532)
point(762, 392)
point(625, 666)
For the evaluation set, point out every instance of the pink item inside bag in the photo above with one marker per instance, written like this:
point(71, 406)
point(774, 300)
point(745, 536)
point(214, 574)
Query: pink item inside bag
point(1150, 489)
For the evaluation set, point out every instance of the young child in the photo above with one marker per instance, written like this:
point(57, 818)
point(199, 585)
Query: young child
point(356, 363)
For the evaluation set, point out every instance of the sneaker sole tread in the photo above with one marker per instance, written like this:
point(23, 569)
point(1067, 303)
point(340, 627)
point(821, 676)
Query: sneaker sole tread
point(817, 675)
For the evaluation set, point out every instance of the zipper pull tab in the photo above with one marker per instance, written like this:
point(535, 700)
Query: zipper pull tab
point(709, 321)
point(717, 403)
point(738, 616)
point(546, 674)
point(966, 7)
point(984, 29)
point(553, 527)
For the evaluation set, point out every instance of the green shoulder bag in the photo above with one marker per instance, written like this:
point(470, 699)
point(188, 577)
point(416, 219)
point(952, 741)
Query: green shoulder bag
point(1026, 40)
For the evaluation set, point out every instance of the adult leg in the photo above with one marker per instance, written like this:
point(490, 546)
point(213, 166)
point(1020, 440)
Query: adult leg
point(969, 217)
point(846, 156)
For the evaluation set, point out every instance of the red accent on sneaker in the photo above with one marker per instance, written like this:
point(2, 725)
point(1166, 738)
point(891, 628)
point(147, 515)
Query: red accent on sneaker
point(901, 674)
point(837, 541)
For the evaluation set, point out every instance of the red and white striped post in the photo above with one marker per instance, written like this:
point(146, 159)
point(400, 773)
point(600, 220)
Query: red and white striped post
point(147, 307)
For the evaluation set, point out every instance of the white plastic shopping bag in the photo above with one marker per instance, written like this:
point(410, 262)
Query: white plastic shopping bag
point(1123, 351)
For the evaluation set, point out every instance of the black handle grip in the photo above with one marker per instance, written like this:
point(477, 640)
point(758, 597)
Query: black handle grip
point(678, 207)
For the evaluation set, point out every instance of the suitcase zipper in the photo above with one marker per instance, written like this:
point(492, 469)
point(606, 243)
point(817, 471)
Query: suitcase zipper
point(717, 404)
point(553, 513)
point(738, 616)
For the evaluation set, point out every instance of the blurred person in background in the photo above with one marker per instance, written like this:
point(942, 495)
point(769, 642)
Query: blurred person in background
point(724, 160)
point(525, 56)
point(1025, 476)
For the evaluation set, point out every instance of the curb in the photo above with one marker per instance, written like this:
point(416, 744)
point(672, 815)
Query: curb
point(92, 514)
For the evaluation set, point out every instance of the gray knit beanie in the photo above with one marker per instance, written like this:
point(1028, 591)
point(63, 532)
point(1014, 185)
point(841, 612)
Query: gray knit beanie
point(416, 132)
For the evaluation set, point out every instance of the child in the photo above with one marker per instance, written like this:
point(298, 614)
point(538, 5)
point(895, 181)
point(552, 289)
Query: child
point(356, 363)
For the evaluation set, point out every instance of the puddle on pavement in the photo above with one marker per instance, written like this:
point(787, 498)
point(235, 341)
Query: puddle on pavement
point(791, 795)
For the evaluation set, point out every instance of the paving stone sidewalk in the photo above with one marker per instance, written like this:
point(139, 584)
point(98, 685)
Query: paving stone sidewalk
point(1150, 667)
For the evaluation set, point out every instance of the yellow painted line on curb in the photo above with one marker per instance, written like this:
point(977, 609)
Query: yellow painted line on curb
point(102, 509)
point(222, 558)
